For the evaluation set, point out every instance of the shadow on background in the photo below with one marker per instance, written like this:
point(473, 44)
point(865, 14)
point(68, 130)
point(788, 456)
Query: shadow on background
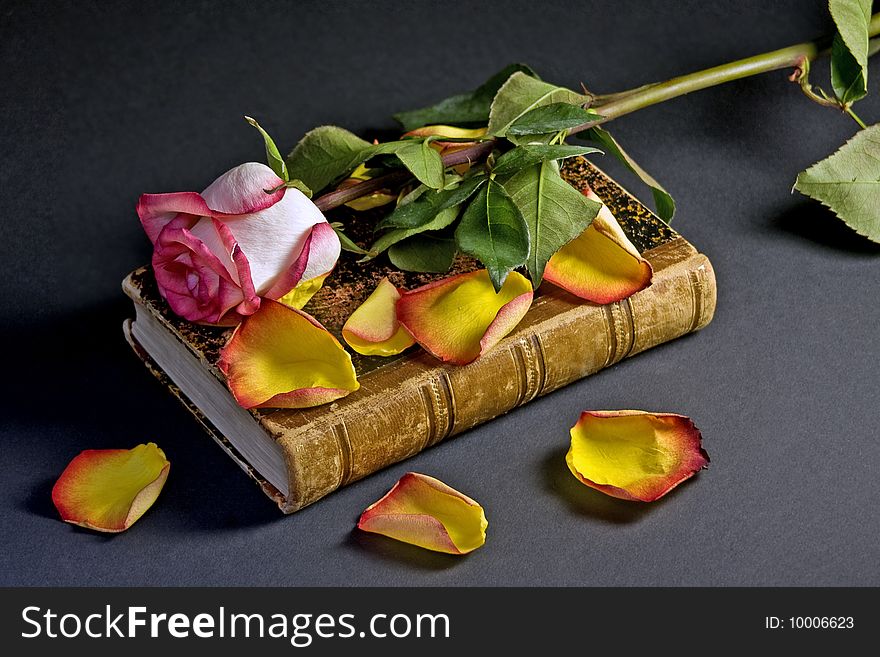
point(74, 384)
point(393, 551)
point(589, 502)
point(812, 221)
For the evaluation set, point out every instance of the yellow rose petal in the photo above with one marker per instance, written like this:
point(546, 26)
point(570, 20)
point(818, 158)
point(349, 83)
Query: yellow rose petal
point(373, 329)
point(109, 489)
point(451, 132)
point(305, 290)
point(601, 264)
point(447, 131)
point(280, 357)
point(635, 455)
point(375, 200)
point(461, 317)
point(424, 511)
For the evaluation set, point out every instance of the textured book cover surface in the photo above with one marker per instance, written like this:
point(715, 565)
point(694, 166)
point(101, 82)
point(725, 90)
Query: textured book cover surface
point(412, 401)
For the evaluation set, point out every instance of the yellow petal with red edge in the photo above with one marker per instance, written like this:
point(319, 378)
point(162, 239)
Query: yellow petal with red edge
point(424, 511)
point(280, 357)
point(373, 329)
point(305, 290)
point(601, 264)
point(635, 455)
point(461, 317)
point(447, 131)
point(446, 147)
point(109, 489)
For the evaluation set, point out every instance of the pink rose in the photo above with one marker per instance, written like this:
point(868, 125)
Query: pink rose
point(216, 253)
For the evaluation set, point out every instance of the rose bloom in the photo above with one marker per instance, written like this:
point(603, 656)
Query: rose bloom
point(216, 253)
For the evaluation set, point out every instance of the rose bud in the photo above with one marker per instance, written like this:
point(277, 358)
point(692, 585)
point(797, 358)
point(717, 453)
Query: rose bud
point(216, 253)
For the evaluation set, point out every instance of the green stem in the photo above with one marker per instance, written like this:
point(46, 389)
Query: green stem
point(855, 117)
point(797, 56)
point(613, 106)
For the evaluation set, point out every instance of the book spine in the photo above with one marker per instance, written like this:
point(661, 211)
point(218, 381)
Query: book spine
point(547, 355)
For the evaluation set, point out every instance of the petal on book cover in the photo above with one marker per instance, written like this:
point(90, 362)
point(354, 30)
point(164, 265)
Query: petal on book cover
point(601, 264)
point(460, 318)
point(280, 357)
point(109, 489)
point(424, 511)
point(373, 329)
point(635, 455)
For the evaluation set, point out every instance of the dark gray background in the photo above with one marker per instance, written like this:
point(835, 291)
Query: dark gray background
point(103, 101)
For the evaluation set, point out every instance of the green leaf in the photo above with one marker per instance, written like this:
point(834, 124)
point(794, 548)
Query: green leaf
point(554, 211)
point(492, 229)
point(452, 180)
point(324, 154)
point(848, 182)
point(430, 204)
point(416, 155)
point(424, 253)
point(468, 108)
point(551, 118)
point(532, 154)
point(345, 241)
point(392, 237)
point(847, 77)
point(520, 95)
point(276, 162)
point(849, 51)
point(662, 200)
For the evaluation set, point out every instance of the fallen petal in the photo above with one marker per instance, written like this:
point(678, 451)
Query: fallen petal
point(460, 318)
point(635, 455)
point(601, 264)
point(424, 511)
point(373, 329)
point(280, 357)
point(109, 489)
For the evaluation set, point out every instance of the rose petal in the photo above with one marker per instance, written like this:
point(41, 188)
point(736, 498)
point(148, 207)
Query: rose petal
point(280, 357)
point(461, 317)
point(371, 201)
point(238, 191)
point(275, 241)
point(601, 264)
point(305, 290)
point(635, 455)
point(196, 283)
point(109, 489)
point(316, 260)
point(424, 511)
point(447, 131)
point(373, 329)
point(375, 200)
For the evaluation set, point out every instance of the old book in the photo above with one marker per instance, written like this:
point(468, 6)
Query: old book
point(412, 401)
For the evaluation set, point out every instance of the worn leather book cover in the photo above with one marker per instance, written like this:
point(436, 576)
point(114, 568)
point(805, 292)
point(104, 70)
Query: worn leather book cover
point(410, 402)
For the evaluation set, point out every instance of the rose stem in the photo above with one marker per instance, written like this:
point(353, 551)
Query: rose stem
point(626, 102)
point(339, 197)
